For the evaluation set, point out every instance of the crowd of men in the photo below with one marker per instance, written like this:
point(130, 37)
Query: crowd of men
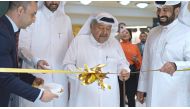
point(40, 34)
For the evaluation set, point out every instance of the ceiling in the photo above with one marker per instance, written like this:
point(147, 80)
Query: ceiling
point(132, 4)
point(130, 14)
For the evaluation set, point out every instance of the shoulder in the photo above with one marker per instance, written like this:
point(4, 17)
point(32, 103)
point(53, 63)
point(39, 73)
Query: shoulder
point(39, 14)
point(184, 28)
point(67, 17)
point(155, 29)
point(4, 30)
point(64, 17)
point(113, 41)
point(154, 32)
point(115, 44)
point(4, 23)
point(186, 33)
point(182, 31)
point(79, 39)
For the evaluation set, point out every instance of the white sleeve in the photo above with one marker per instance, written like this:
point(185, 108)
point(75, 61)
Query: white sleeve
point(184, 14)
point(185, 63)
point(123, 63)
point(143, 76)
point(69, 62)
point(25, 39)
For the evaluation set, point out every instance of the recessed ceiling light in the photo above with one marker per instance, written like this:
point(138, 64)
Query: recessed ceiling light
point(142, 5)
point(85, 2)
point(124, 2)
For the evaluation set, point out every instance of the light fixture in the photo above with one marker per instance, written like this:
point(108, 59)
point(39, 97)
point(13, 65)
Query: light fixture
point(124, 2)
point(142, 5)
point(85, 2)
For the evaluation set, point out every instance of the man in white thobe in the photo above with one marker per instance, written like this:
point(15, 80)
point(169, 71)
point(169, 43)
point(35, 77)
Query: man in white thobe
point(47, 41)
point(167, 49)
point(94, 46)
point(184, 15)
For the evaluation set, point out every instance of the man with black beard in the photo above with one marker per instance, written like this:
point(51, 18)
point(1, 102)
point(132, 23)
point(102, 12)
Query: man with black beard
point(167, 49)
point(52, 6)
point(54, 28)
point(142, 37)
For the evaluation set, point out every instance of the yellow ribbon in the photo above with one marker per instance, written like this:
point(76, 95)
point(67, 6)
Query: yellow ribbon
point(88, 76)
point(19, 70)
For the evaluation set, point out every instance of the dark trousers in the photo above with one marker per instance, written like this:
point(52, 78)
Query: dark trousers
point(130, 88)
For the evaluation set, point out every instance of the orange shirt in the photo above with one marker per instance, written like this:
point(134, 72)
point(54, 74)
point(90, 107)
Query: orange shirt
point(132, 50)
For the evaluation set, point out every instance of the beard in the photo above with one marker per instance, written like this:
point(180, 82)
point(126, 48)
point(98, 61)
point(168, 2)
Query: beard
point(103, 38)
point(52, 7)
point(143, 41)
point(165, 20)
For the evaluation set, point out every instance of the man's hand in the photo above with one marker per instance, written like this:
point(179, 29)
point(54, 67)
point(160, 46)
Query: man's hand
point(124, 75)
point(48, 96)
point(38, 82)
point(140, 97)
point(41, 64)
point(169, 68)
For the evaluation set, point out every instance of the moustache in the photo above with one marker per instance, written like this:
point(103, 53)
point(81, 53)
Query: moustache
point(53, 4)
point(103, 35)
point(162, 17)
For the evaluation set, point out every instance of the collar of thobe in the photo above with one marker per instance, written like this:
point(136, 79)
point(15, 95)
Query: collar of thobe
point(94, 42)
point(15, 28)
point(168, 27)
point(48, 13)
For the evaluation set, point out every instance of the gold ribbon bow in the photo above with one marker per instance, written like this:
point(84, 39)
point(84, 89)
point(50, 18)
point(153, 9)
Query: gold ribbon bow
point(90, 75)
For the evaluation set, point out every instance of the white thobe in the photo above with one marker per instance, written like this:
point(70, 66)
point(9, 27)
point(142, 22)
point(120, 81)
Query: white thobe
point(48, 39)
point(184, 14)
point(166, 44)
point(84, 49)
